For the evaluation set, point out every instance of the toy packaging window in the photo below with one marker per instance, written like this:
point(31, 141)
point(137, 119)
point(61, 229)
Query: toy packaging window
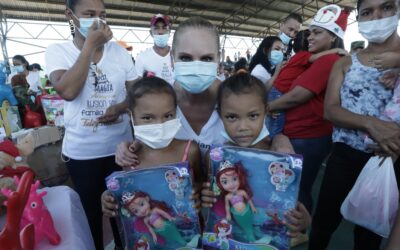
point(254, 189)
point(53, 106)
point(155, 209)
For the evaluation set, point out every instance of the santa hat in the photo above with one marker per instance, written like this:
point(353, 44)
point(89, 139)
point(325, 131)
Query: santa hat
point(332, 18)
point(9, 148)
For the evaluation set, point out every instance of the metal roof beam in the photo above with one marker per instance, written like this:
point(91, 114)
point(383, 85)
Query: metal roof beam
point(221, 7)
point(113, 14)
point(241, 15)
point(267, 30)
point(254, 18)
point(3, 38)
point(112, 20)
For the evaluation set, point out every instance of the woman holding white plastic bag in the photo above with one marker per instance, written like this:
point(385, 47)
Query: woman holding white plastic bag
point(355, 99)
point(374, 199)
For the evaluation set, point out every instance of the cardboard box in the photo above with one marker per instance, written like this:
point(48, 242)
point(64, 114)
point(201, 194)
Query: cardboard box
point(42, 135)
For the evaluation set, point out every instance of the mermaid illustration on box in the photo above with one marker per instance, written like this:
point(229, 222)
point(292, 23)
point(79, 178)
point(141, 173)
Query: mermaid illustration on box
point(223, 230)
point(157, 218)
point(236, 194)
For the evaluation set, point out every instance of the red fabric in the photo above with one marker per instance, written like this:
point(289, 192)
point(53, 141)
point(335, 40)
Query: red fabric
point(32, 119)
point(295, 67)
point(342, 20)
point(9, 148)
point(306, 120)
point(11, 172)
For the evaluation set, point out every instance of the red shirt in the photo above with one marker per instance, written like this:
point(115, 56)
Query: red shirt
point(306, 120)
point(295, 67)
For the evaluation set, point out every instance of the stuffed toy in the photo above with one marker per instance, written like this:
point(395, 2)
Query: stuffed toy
point(13, 161)
point(6, 92)
point(36, 213)
point(11, 236)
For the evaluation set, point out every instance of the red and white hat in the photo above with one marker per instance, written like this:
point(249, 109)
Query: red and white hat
point(9, 148)
point(332, 18)
point(161, 17)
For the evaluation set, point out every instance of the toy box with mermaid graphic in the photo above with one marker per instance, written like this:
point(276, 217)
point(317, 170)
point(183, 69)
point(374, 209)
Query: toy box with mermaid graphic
point(255, 188)
point(154, 207)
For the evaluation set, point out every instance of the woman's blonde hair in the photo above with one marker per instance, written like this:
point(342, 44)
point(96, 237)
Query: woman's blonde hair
point(195, 23)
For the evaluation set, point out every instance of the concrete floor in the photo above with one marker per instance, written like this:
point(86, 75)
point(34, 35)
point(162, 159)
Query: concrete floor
point(51, 171)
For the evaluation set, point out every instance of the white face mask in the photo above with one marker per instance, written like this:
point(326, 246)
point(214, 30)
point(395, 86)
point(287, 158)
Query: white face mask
point(377, 31)
point(263, 133)
point(157, 135)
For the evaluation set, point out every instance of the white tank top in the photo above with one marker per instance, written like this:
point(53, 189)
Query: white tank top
point(210, 133)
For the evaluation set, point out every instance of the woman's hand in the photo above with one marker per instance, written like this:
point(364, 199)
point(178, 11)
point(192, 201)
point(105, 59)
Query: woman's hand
point(207, 196)
point(342, 52)
point(281, 144)
point(297, 220)
point(98, 34)
point(386, 134)
point(108, 204)
point(111, 115)
point(386, 60)
point(389, 78)
point(279, 67)
point(125, 155)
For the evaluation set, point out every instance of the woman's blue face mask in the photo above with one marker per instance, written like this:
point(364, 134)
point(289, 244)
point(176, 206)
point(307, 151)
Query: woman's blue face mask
point(196, 76)
point(86, 23)
point(276, 57)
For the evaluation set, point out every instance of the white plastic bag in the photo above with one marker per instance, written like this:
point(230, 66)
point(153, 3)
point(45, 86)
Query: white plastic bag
point(373, 201)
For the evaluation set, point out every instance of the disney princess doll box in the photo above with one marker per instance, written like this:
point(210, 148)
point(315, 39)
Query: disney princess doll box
point(254, 189)
point(154, 207)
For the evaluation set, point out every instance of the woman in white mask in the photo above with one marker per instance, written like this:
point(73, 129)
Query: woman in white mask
point(21, 66)
point(266, 62)
point(195, 51)
point(354, 101)
point(90, 74)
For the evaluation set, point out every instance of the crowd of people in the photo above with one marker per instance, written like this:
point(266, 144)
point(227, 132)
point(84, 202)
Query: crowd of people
point(305, 93)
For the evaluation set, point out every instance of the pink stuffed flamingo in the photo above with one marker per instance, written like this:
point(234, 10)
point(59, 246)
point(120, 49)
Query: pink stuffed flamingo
point(36, 213)
point(11, 237)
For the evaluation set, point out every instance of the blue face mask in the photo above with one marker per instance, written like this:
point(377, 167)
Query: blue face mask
point(264, 133)
point(276, 57)
point(161, 41)
point(196, 76)
point(86, 23)
point(285, 38)
point(19, 68)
